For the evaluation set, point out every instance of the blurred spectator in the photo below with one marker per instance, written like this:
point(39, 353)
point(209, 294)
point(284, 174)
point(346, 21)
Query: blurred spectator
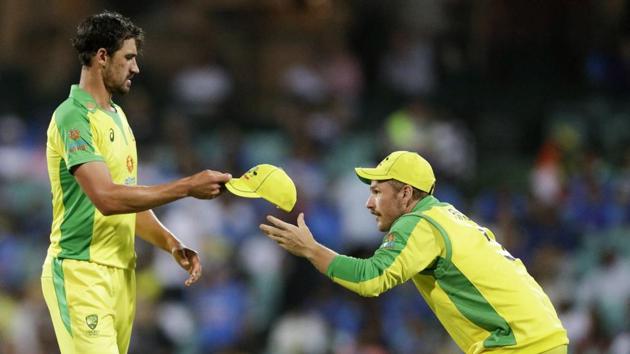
point(547, 180)
point(201, 88)
point(182, 218)
point(621, 342)
point(357, 224)
point(304, 82)
point(606, 290)
point(220, 307)
point(446, 144)
point(408, 65)
point(588, 195)
point(262, 262)
point(301, 331)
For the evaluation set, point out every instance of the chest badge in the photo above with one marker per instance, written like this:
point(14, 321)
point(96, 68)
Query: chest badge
point(111, 135)
point(130, 163)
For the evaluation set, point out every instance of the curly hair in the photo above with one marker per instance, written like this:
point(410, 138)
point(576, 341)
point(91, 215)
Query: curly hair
point(106, 30)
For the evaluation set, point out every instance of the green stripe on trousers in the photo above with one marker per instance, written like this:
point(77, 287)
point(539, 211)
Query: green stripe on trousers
point(60, 292)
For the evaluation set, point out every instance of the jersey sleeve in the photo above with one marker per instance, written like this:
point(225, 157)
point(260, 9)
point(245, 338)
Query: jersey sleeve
point(77, 137)
point(407, 249)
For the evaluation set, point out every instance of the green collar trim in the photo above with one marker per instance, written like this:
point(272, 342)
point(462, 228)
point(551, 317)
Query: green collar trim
point(427, 203)
point(85, 99)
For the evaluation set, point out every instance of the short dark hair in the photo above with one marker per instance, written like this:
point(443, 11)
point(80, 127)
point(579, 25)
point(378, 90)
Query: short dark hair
point(105, 30)
point(416, 195)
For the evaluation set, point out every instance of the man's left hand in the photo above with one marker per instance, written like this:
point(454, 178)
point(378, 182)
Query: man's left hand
point(189, 260)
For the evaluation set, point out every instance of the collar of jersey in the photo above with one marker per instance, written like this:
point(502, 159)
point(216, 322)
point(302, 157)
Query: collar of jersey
point(83, 97)
point(426, 203)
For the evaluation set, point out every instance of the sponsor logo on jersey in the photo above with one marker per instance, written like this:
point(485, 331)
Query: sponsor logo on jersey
point(389, 241)
point(130, 181)
point(74, 134)
point(130, 163)
point(77, 147)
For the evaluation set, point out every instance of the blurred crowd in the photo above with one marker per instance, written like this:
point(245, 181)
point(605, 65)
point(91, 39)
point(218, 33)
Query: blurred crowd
point(521, 107)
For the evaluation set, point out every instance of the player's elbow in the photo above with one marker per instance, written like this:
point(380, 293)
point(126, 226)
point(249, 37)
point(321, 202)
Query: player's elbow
point(366, 291)
point(105, 204)
point(376, 288)
point(105, 209)
point(369, 294)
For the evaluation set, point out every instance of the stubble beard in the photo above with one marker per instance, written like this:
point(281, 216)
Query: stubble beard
point(120, 89)
point(115, 88)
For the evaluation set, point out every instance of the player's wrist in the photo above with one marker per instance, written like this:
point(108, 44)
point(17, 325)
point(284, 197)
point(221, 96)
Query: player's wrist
point(185, 186)
point(173, 244)
point(321, 257)
point(311, 251)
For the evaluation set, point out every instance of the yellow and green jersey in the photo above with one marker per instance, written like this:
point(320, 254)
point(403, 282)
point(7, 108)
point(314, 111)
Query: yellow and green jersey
point(80, 131)
point(482, 295)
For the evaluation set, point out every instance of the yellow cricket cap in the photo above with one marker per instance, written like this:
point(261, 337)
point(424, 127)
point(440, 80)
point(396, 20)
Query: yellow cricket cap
point(404, 166)
point(268, 182)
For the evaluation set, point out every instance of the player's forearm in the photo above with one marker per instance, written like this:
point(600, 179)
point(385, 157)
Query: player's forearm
point(150, 229)
point(122, 199)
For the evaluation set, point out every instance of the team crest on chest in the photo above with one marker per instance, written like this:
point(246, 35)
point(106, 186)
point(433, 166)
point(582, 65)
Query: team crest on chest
point(130, 163)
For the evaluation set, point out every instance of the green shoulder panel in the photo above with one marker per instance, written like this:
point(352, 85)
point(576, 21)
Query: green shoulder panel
point(405, 225)
point(73, 124)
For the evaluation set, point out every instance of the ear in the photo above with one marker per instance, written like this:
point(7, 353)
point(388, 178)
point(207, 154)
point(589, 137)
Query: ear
point(407, 191)
point(101, 57)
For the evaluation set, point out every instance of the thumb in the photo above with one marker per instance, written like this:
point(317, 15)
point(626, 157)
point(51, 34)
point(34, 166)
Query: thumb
point(300, 220)
point(180, 255)
point(185, 261)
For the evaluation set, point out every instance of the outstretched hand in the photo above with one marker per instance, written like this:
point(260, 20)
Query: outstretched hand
point(189, 260)
point(297, 239)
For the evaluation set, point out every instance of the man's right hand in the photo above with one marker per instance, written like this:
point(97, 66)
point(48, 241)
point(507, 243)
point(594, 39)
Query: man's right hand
point(207, 184)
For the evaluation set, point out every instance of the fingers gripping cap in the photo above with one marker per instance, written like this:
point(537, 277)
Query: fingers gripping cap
point(404, 166)
point(268, 182)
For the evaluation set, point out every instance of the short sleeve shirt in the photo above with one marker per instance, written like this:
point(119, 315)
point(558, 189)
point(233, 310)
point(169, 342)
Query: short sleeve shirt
point(80, 132)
